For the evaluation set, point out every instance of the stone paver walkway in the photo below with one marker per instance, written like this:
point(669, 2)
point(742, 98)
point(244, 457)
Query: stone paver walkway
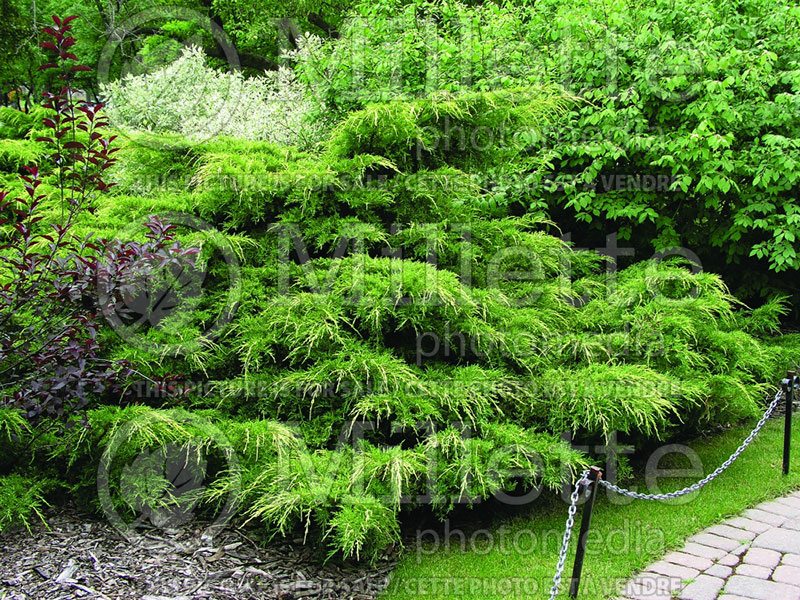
point(755, 556)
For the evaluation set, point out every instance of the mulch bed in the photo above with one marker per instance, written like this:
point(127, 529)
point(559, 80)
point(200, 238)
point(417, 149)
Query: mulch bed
point(84, 558)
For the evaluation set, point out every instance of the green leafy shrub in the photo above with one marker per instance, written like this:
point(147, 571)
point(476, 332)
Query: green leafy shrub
point(17, 124)
point(400, 49)
point(21, 499)
point(189, 98)
point(668, 99)
point(408, 333)
point(14, 154)
point(674, 141)
point(12, 423)
point(379, 286)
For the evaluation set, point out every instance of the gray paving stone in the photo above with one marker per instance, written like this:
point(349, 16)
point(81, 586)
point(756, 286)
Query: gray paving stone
point(792, 524)
point(719, 571)
point(741, 549)
point(730, 560)
point(755, 556)
point(763, 557)
point(689, 560)
point(671, 570)
point(705, 587)
point(790, 512)
point(780, 540)
point(747, 524)
point(733, 533)
point(758, 589)
point(789, 501)
point(704, 551)
point(715, 541)
point(651, 595)
point(787, 574)
point(764, 517)
point(752, 570)
point(652, 586)
point(791, 559)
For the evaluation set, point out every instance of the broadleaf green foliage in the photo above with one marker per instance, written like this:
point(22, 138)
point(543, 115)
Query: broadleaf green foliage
point(684, 134)
point(669, 97)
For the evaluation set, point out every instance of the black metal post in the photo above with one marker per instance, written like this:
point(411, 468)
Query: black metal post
point(586, 520)
point(788, 394)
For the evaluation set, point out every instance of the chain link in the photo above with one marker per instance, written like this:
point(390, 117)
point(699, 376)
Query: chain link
point(584, 479)
point(708, 478)
point(562, 555)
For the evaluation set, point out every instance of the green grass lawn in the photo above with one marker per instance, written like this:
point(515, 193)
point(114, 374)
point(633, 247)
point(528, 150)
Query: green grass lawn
point(520, 559)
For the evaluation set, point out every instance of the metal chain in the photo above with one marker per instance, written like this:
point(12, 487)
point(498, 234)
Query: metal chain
point(562, 555)
point(584, 479)
point(708, 478)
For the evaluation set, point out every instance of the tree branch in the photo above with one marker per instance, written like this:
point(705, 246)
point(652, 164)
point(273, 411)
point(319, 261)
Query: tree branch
point(317, 20)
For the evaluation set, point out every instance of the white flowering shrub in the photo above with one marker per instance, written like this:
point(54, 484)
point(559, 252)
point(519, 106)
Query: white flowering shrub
point(190, 98)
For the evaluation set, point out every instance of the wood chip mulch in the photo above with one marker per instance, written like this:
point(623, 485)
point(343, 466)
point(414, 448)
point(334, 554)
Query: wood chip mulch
point(82, 558)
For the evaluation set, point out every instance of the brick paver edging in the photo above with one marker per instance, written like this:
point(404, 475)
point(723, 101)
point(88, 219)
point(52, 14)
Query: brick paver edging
point(755, 556)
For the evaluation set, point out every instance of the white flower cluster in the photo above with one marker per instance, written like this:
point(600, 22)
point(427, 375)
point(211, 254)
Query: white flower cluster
point(190, 98)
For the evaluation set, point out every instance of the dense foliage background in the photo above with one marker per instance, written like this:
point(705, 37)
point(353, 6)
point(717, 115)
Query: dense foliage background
point(373, 210)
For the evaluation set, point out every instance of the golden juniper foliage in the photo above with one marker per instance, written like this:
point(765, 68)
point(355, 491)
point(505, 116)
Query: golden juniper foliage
point(381, 302)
